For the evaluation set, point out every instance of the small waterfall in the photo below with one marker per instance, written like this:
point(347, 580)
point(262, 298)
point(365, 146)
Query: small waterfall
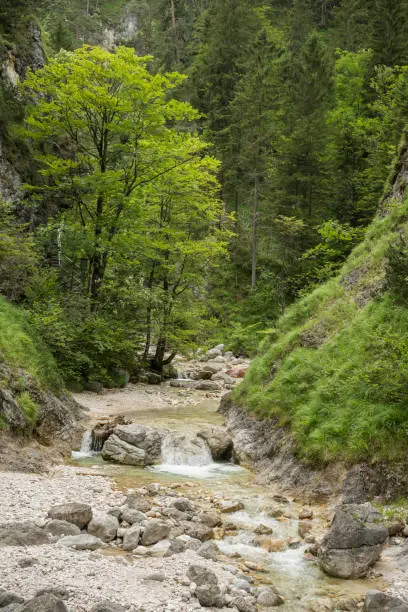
point(86, 447)
point(185, 449)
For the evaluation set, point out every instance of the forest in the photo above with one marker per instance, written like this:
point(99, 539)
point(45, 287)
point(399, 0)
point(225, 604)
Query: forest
point(189, 168)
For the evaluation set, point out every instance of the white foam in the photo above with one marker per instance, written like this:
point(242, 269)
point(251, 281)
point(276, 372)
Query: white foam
point(197, 471)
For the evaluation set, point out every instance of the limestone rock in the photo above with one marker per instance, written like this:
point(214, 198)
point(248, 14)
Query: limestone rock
point(107, 606)
point(138, 502)
point(59, 528)
point(84, 541)
point(268, 598)
point(131, 538)
point(132, 516)
point(8, 597)
point(208, 385)
point(207, 590)
point(209, 550)
point(22, 534)
point(154, 531)
point(227, 506)
point(79, 514)
point(354, 541)
point(119, 451)
point(104, 527)
point(46, 603)
point(218, 441)
point(375, 601)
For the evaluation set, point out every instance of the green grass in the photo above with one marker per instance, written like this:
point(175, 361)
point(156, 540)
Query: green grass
point(29, 408)
point(20, 348)
point(335, 369)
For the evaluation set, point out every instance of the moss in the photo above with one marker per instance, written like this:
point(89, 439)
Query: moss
point(336, 367)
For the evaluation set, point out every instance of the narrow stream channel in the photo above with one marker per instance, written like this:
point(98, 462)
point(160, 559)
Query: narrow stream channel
point(285, 564)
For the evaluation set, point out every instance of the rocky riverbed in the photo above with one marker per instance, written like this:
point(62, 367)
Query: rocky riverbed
point(103, 537)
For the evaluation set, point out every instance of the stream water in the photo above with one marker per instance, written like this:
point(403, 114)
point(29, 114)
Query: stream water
point(285, 564)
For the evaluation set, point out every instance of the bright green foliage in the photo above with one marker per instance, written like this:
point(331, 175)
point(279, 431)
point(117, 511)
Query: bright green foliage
point(335, 368)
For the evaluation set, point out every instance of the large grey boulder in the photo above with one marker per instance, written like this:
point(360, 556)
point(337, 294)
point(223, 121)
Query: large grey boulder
point(244, 603)
point(8, 597)
point(47, 602)
point(131, 538)
point(137, 502)
point(267, 597)
point(354, 541)
point(133, 444)
point(376, 601)
point(207, 385)
point(132, 516)
point(22, 534)
point(79, 514)
point(104, 526)
point(59, 528)
point(84, 541)
point(154, 531)
point(207, 590)
point(218, 441)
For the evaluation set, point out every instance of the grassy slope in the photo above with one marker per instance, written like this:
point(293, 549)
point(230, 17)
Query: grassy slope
point(336, 367)
point(21, 352)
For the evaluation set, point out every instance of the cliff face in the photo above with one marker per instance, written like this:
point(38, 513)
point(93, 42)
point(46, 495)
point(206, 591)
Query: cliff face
point(332, 378)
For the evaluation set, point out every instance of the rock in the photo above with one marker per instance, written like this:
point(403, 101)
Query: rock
point(60, 528)
point(84, 541)
point(78, 514)
point(269, 598)
point(211, 519)
point(306, 513)
point(228, 506)
point(204, 374)
point(138, 502)
point(207, 385)
point(182, 504)
point(263, 530)
point(375, 601)
point(304, 528)
point(405, 531)
point(133, 444)
point(207, 590)
point(8, 597)
point(215, 352)
point(244, 603)
point(154, 531)
point(107, 606)
point(22, 534)
point(321, 604)
point(354, 541)
point(182, 383)
point(395, 528)
point(153, 378)
point(119, 451)
point(209, 550)
point(44, 603)
point(198, 531)
point(131, 538)
point(104, 527)
point(132, 516)
point(218, 441)
point(157, 577)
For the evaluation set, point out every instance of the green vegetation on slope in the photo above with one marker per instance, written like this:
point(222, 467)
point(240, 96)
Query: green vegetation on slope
point(335, 369)
point(21, 350)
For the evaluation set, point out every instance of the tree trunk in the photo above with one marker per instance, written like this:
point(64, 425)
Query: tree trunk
point(149, 316)
point(254, 234)
point(173, 13)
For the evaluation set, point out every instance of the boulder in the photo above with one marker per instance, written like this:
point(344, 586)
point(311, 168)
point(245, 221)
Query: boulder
point(79, 514)
point(104, 527)
point(354, 541)
point(198, 531)
point(182, 383)
point(207, 589)
point(132, 516)
point(182, 543)
point(47, 602)
point(214, 352)
point(207, 385)
point(218, 441)
point(135, 501)
point(22, 534)
point(305, 513)
point(211, 519)
point(119, 451)
point(59, 528)
point(244, 603)
point(107, 606)
point(209, 550)
point(228, 506)
point(182, 504)
point(224, 377)
point(268, 598)
point(134, 444)
point(8, 597)
point(84, 541)
point(376, 601)
point(131, 538)
point(155, 530)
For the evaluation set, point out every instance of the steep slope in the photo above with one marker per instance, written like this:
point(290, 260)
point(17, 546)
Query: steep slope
point(334, 372)
point(35, 411)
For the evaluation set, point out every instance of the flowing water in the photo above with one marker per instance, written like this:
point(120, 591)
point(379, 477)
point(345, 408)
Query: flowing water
point(187, 462)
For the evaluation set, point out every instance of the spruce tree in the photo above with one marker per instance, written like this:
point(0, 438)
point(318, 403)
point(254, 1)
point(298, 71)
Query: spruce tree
point(390, 31)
